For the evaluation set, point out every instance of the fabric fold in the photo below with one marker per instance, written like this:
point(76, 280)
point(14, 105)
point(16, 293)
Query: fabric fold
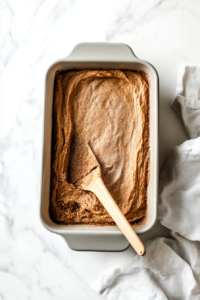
point(187, 99)
point(169, 270)
point(179, 205)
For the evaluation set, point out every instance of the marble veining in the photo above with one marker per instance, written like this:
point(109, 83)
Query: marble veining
point(34, 263)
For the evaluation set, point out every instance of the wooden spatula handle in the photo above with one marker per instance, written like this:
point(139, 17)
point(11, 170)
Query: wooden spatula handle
point(99, 188)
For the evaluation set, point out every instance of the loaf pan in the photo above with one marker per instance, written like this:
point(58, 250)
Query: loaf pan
point(99, 56)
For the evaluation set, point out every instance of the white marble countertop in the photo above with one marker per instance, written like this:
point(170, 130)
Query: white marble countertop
point(34, 263)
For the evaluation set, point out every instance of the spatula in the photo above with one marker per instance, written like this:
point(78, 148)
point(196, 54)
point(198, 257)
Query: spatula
point(85, 174)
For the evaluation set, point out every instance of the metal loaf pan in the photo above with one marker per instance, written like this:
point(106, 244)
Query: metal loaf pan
point(99, 56)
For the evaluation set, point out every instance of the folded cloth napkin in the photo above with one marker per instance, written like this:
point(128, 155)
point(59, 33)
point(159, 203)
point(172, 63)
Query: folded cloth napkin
point(169, 270)
point(179, 205)
point(187, 99)
point(171, 267)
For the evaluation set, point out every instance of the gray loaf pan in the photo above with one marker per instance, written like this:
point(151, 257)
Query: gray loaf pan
point(99, 56)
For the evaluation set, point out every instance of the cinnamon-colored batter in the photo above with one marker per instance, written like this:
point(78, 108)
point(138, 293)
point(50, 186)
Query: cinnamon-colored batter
point(109, 109)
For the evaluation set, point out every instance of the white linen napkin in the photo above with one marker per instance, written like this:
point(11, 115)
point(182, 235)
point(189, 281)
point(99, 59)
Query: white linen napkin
point(171, 267)
point(187, 99)
point(179, 205)
point(169, 270)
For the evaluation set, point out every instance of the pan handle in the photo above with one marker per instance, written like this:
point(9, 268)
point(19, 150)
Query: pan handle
point(102, 52)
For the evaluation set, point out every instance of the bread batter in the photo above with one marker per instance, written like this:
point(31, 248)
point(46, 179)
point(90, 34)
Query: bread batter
point(109, 109)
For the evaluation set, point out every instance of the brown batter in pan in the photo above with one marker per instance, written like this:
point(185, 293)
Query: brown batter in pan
point(109, 109)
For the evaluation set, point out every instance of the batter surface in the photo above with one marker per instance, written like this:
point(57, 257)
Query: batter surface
point(109, 109)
